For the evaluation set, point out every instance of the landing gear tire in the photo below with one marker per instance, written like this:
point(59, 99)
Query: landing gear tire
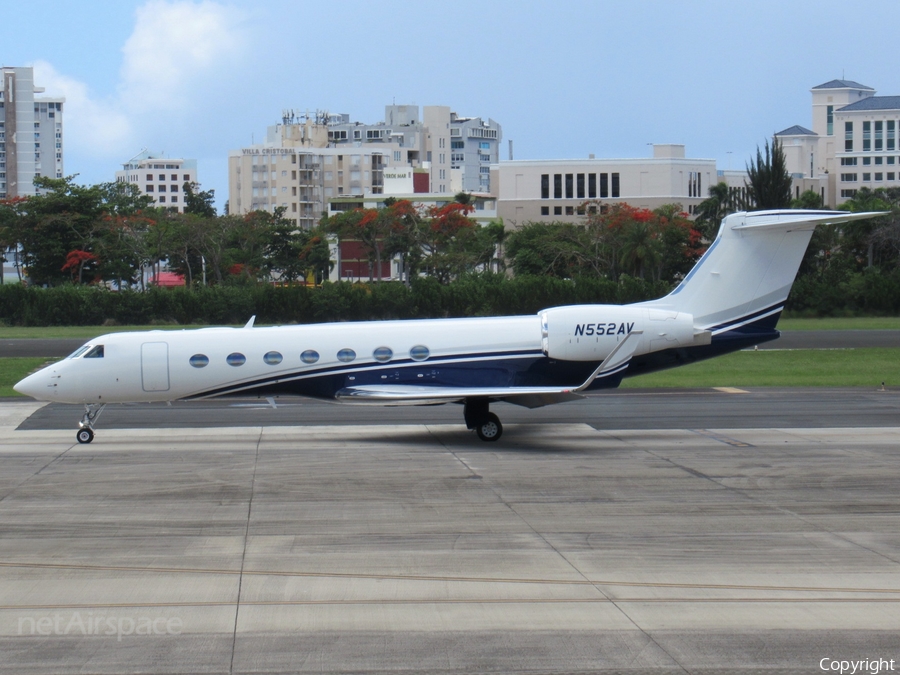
point(85, 435)
point(491, 430)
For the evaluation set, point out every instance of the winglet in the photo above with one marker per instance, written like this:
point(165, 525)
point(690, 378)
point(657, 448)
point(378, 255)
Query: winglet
point(249, 324)
point(617, 357)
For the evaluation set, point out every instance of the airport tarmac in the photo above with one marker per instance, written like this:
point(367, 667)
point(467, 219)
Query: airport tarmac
point(409, 545)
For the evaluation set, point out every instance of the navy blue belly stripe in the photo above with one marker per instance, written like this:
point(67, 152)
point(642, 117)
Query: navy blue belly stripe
point(748, 317)
point(370, 366)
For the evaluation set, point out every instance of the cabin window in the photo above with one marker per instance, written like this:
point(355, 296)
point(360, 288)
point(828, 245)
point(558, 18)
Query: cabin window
point(346, 355)
point(236, 359)
point(272, 358)
point(199, 360)
point(78, 352)
point(309, 356)
point(383, 354)
point(419, 353)
point(95, 353)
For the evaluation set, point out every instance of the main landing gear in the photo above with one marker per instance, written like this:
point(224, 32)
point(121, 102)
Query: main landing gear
point(85, 432)
point(479, 417)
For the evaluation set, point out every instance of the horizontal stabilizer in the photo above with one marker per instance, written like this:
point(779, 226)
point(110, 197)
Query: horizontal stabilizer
point(787, 220)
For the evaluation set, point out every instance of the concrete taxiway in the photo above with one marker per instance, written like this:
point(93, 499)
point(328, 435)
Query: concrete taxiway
point(415, 547)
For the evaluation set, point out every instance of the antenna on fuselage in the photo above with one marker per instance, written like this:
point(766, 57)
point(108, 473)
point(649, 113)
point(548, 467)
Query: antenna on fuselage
point(249, 324)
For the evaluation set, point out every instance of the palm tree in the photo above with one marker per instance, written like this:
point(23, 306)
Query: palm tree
point(769, 184)
point(641, 249)
point(722, 200)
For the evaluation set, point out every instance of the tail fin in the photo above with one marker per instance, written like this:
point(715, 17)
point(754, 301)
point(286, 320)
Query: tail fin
point(746, 274)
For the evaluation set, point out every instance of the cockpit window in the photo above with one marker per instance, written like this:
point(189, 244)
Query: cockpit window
point(78, 352)
point(95, 353)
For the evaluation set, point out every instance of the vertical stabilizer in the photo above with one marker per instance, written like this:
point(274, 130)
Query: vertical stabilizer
point(746, 274)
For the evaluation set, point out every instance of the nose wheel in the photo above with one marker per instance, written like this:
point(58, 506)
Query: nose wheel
point(85, 433)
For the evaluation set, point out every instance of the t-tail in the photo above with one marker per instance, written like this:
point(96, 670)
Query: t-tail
point(738, 289)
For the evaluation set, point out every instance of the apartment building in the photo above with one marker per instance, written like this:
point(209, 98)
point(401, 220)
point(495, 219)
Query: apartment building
point(307, 160)
point(301, 180)
point(556, 190)
point(31, 134)
point(159, 177)
point(455, 150)
point(854, 142)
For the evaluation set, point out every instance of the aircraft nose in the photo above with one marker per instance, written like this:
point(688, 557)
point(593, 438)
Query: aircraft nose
point(36, 385)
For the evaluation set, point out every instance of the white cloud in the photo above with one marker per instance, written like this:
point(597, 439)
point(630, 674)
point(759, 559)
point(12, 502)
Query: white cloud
point(91, 125)
point(176, 52)
point(176, 48)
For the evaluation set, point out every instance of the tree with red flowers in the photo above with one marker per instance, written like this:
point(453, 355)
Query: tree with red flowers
point(76, 262)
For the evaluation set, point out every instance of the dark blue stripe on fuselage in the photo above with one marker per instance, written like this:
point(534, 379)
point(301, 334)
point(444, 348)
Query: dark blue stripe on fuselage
point(494, 369)
point(766, 323)
point(749, 335)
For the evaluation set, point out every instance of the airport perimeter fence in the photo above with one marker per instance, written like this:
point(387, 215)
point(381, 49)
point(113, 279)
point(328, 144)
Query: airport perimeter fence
point(480, 295)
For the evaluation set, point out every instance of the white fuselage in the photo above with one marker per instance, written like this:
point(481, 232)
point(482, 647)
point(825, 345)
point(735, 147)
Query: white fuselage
point(157, 366)
point(318, 359)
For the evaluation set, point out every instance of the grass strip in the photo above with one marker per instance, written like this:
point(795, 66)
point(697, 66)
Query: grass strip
point(14, 369)
point(789, 368)
point(842, 323)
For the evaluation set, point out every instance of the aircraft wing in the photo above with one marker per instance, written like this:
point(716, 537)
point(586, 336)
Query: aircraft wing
point(529, 397)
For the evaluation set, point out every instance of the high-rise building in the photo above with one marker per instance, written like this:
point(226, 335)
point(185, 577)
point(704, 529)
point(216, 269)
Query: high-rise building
point(308, 160)
point(159, 177)
point(31, 134)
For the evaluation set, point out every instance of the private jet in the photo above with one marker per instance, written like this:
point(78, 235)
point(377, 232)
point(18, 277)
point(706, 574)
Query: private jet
point(730, 300)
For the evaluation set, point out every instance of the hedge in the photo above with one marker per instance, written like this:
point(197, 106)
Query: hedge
point(481, 295)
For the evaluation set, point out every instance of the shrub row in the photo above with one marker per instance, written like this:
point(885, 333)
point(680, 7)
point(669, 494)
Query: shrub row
point(841, 293)
point(836, 293)
point(481, 295)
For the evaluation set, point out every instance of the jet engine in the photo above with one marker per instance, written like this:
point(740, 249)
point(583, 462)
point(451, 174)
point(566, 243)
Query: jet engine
point(591, 332)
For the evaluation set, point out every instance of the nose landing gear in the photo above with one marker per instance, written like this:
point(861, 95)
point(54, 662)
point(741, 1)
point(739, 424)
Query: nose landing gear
point(85, 433)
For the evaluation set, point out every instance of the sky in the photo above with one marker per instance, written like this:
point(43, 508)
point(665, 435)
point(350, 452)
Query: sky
point(564, 78)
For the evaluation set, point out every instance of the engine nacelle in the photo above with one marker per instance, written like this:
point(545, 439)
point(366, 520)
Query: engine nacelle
point(591, 332)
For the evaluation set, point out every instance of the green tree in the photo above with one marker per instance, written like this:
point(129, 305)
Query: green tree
point(249, 241)
point(9, 232)
point(407, 237)
point(554, 249)
point(199, 202)
point(709, 214)
point(859, 236)
point(809, 200)
point(769, 183)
